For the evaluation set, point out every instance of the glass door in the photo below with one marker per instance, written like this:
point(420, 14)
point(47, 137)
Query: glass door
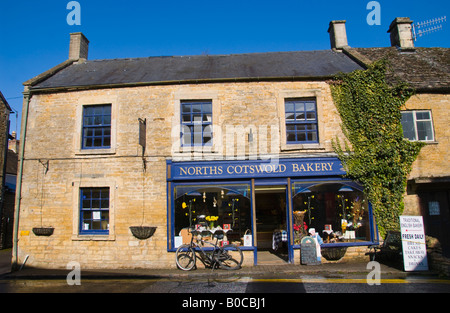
point(272, 242)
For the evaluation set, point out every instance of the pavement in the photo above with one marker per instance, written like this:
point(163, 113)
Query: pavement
point(279, 271)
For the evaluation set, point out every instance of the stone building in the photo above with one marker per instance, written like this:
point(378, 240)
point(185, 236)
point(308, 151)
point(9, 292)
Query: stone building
point(5, 207)
point(241, 142)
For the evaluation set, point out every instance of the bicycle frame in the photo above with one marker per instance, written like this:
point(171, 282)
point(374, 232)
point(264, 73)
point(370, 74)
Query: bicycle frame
point(204, 256)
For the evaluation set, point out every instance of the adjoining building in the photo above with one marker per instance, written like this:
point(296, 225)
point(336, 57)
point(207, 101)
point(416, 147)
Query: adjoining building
point(241, 142)
point(7, 175)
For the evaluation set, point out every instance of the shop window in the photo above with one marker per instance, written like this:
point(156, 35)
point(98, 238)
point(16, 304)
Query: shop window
point(301, 121)
point(96, 127)
point(94, 210)
point(208, 208)
point(338, 212)
point(417, 125)
point(196, 123)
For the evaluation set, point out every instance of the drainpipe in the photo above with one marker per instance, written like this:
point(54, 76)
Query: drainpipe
point(27, 98)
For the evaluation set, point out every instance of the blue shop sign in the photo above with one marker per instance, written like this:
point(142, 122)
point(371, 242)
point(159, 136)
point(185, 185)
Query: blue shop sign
point(254, 168)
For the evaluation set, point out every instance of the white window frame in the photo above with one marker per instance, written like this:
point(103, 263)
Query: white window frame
point(416, 133)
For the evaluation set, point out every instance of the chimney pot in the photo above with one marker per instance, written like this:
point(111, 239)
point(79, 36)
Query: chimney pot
point(401, 33)
point(338, 34)
point(79, 46)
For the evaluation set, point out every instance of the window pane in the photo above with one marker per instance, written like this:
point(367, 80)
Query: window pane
point(88, 121)
point(88, 110)
point(424, 131)
point(300, 116)
point(186, 118)
point(290, 136)
point(207, 108)
point(196, 118)
point(106, 141)
point(299, 106)
point(97, 142)
point(185, 108)
point(312, 136)
point(290, 117)
point(196, 108)
point(289, 107)
point(408, 126)
point(107, 120)
point(310, 106)
point(207, 139)
point(207, 118)
point(98, 132)
point(311, 116)
point(198, 138)
point(207, 129)
point(423, 115)
point(98, 110)
point(87, 142)
point(105, 204)
point(86, 204)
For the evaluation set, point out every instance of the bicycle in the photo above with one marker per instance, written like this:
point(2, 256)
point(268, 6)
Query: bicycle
point(228, 257)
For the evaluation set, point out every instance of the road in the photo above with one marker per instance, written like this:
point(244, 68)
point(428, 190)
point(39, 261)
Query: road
point(238, 285)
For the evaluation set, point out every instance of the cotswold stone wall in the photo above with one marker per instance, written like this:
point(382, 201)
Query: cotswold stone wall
point(433, 160)
point(4, 127)
point(55, 166)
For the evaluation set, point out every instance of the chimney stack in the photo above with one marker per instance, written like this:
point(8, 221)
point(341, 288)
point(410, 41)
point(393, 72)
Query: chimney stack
point(401, 33)
point(338, 34)
point(79, 46)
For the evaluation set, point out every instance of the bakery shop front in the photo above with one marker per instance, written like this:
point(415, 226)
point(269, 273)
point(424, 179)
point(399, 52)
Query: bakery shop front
point(267, 206)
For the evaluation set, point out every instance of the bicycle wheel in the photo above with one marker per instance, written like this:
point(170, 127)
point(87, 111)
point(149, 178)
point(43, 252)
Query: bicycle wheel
point(230, 257)
point(185, 257)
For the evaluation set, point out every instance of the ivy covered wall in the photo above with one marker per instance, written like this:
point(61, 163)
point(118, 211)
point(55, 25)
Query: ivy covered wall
point(375, 153)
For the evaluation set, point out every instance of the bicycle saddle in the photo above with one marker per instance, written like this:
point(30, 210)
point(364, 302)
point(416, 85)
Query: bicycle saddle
point(218, 234)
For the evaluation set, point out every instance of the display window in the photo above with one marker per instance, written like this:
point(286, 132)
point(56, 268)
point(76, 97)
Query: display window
point(338, 212)
point(208, 208)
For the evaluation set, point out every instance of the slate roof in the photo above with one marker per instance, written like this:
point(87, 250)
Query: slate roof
point(254, 66)
point(424, 69)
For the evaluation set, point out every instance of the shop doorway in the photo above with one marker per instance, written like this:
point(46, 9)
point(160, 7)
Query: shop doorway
point(436, 214)
point(271, 225)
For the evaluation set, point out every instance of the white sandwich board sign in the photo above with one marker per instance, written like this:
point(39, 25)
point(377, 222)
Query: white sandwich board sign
point(413, 243)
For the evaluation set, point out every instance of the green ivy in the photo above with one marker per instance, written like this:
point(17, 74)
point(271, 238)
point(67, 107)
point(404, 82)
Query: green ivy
point(375, 152)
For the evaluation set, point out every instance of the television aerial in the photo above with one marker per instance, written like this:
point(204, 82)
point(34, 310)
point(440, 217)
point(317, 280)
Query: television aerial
point(420, 29)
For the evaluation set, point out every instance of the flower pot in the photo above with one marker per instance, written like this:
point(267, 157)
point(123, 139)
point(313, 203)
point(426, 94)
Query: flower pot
point(142, 232)
point(43, 231)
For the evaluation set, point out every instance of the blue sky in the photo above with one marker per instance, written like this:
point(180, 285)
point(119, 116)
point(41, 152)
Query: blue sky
point(35, 34)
